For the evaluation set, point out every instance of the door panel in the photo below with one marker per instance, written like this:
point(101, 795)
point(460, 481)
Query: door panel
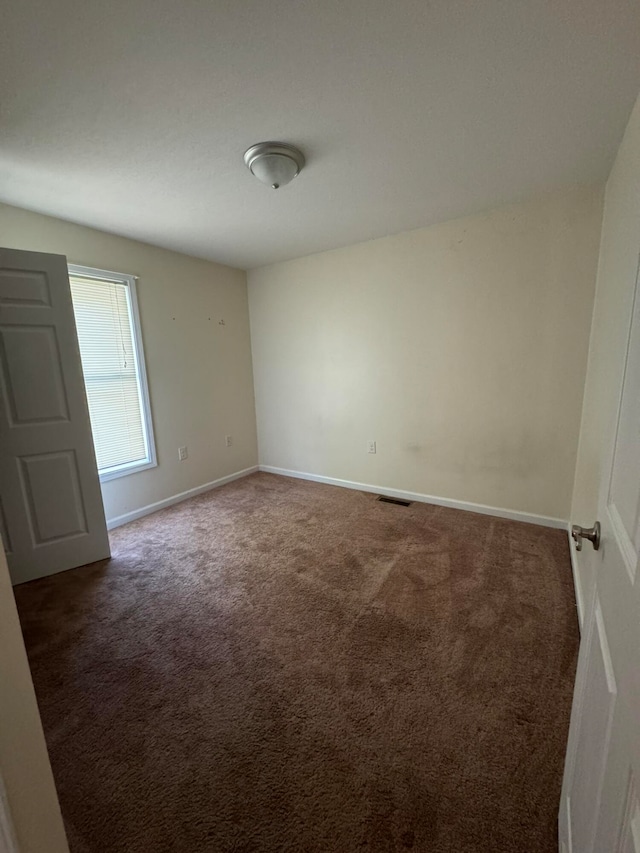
point(24, 287)
point(629, 823)
point(4, 531)
point(49, 519)
point(624, 497)
point(595, 716)
point(630, 834)
point(31, 354)
point(52, 516)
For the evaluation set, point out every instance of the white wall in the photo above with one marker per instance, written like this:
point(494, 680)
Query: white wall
point(611, 316)
point(461, 349)
point(200, 378)
point(24, 762)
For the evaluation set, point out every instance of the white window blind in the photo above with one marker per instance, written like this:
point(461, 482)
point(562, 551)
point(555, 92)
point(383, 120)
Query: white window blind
point(110, 355)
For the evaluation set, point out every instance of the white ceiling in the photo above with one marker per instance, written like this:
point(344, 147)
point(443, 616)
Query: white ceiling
point(132, 116)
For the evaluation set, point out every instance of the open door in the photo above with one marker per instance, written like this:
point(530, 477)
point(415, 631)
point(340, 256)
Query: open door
point(51, 512)
point(600, 806)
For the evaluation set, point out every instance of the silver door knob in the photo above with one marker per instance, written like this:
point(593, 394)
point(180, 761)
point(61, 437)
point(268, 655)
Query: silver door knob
point(590, 533)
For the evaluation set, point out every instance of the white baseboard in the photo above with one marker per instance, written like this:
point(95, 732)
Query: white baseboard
point(577, 587)
point(174, 499)
point(515, 515)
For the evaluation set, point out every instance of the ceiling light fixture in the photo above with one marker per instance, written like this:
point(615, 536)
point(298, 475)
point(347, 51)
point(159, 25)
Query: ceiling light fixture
point(274, 163)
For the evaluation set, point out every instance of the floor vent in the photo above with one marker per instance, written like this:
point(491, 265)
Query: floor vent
point(396, 501)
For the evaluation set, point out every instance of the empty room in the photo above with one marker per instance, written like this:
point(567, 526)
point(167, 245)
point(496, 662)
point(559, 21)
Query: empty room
point(319, 446)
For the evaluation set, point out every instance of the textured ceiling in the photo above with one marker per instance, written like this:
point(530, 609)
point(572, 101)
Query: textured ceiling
point(132, 116)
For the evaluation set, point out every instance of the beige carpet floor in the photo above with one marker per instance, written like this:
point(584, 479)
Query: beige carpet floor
point(287, 666)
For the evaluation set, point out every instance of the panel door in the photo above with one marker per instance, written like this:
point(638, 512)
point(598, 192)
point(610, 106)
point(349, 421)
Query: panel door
point(51, 512)
point(600, 807)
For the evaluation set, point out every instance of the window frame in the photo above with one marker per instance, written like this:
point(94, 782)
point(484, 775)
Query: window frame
point(116, 471)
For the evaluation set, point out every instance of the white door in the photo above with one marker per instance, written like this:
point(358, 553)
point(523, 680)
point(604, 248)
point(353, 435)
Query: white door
point(600, 806)
point(51, 513)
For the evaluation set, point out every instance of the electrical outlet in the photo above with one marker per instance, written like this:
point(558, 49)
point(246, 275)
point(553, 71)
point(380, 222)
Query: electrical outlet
point(371, 447)
point(183, 453)
point(228, 440)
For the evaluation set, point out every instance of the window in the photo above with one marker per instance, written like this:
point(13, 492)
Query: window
point(106, 312)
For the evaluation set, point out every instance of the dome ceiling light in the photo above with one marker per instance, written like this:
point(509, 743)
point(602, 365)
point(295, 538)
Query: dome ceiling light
point(274, 163)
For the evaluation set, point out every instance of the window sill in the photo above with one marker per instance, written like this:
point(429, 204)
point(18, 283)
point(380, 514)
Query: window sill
point(125, 470)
